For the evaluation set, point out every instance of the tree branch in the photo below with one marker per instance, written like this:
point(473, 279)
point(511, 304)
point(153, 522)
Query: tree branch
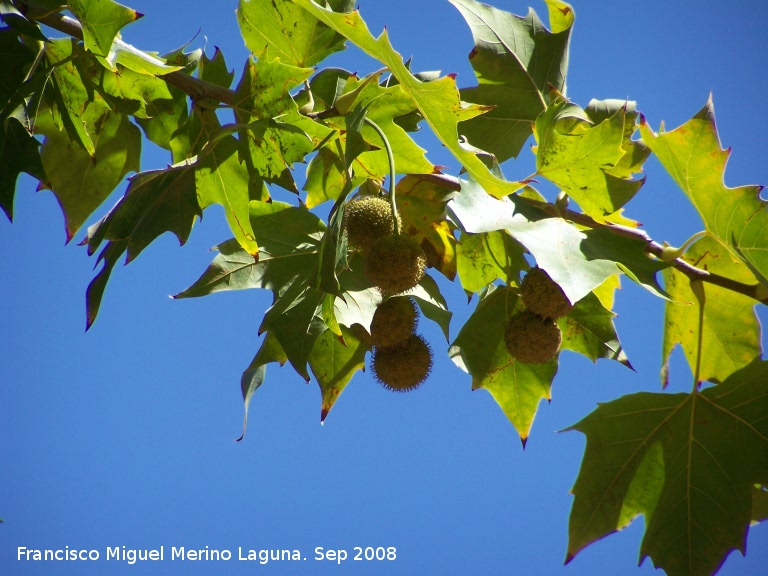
point(196, 88)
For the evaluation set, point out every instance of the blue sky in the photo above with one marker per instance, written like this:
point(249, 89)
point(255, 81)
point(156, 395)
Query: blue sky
point(123, 436)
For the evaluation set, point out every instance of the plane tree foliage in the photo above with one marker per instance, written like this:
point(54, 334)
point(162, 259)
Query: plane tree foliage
point(77, 103)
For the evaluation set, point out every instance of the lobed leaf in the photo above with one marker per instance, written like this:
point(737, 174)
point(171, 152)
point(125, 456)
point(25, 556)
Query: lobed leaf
point(289, 32)
point(438, 101)
point(516, 60)
point(688, 462)
point(693, 157)
point(726, 322)
point(101, 21)
point(479, 349)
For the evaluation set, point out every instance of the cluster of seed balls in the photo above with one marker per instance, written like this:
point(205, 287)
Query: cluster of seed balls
point(532, 336)
point(394, 263)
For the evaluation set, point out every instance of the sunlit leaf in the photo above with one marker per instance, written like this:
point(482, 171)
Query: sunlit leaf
point(438, 101)
point(479, 348)
point(101, 20)
point(483, 258)
point(693, 157)
point(334, 360)
point(730, 331)
point(579, 158)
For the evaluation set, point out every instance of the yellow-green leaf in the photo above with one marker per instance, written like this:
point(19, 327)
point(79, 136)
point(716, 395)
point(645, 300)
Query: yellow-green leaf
point(730, 331)
point(693, 157)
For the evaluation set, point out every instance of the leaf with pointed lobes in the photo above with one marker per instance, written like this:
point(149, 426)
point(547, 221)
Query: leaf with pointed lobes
point(334, 360)
point(82, 181)
point(688, 462)
point(290, 33)
point(479, 349)
point(516, 60)
point(421, 202)
point(693, 157)
point(438, 101)
point(589, 330)
point(253, 376)
point(102, 21)
point(729, 330)
point(582, 158)
point(156, 202)
point(289, 238)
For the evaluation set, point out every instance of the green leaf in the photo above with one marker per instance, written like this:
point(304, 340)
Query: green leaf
point(479, 349)
point(101, 20)
point(589, 330)
point(664, 456)
point(253, 376)
point(486, 257)
point(82, 181)
point(693, 157)
point(432, 304)
point(333, 361)
point(438, 101)
point(136, 94)
point(130, 57)
point(220, 178)
point(730, 332)
point(296, 320)
point(157, 201)
point(271, 147)
point(579, 158)
point(289, 32)
point(516, 60)
point(19, 152)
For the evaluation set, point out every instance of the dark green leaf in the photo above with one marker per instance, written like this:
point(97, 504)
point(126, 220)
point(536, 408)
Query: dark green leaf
point(589, 330)
point(688, 462)
point(516, 60)
point(19, 152)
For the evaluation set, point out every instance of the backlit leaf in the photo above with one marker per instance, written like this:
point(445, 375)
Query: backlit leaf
point(438, 101)
point(730, 332)
point(693, 157)
point(334, 360)
point(289, 32)
point(589, 330)
point(483, 258)
point(101, 20)
point(479, 348)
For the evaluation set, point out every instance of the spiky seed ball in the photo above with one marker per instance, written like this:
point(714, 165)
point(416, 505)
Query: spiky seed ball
point(393, 322)
point(532, 339)
point(403, 367)
point(542, 296)
point(395, 264)
point(366, 219)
